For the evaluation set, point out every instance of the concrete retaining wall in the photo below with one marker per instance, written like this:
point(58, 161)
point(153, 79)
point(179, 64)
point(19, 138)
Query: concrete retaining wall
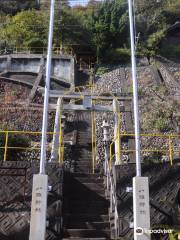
point(63, 67)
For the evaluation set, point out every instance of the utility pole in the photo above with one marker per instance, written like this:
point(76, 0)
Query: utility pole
point(141, 207)
point(40, 181)
point(135, 90)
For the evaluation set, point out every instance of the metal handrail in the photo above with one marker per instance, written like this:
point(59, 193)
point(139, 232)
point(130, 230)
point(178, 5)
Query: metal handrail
point(111, 189)
point(93, 139)
point(29, 148)
point(170, 149)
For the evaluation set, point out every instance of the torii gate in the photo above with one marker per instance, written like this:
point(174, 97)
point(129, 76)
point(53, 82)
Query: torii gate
point(87, 105)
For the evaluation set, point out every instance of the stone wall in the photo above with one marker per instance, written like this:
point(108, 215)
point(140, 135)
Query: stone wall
point(164, 187)
point(15, 199)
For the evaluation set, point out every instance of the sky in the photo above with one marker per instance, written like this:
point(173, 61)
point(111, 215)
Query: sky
point(78, 2)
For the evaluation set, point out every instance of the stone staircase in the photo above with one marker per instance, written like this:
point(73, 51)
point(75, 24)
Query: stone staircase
point(85, 207)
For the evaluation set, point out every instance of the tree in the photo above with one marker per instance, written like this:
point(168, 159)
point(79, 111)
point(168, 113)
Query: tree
point(13, 6)
point(26, 29)
point(108, 26)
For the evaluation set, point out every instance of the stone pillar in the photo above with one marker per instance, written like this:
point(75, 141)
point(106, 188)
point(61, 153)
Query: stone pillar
point(38, 207)
point(55, 142)
point(116, 133)
point(141, 208)
point(8, 66)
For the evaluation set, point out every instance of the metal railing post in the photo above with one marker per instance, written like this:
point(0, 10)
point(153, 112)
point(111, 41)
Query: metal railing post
point(62, 148)
point(115, 225)
point(119, 138)
point(6, 146)
point(60, 137)
point(94, 124)
point(107, 181)
point(116, 131)
point(170, 151)
point(92, 139)
point(111, 200)
point(110, 155)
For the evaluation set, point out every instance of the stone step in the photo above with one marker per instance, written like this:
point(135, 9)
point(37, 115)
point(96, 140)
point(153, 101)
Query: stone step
point(81, 233)
point(84, 162)
point(83, 148)
point(85, 187)
point(86, 196)
point(83, 169)
point(83, 153)
point(90, 180)
point(77, 238)
point(85, 210)
point(86, 175)
point(88, 205)
point(86, 217)
point(88, 225)
point(82, 141)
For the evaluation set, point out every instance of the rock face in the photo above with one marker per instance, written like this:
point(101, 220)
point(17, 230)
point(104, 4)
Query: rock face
point(150, 99)
point(112, 83)
point(15, 115)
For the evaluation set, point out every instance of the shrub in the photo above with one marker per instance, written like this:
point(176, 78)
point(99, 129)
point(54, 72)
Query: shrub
point(162, 124)
point(154, 40)
point(171, 51)
point(14, 140)
point(102, 70)
point(119, 55)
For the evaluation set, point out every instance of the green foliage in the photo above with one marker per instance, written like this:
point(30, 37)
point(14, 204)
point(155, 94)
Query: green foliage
point(108, 26)
point(154, 39)
point(119, 55)
point(101, 28)
point(157, 119)
point(70, 30)
point(140, 91)
point(102, 70)
point(162, 124)
point(171, 51)
point(26, 29)
point(13, 6)
point(171, 11)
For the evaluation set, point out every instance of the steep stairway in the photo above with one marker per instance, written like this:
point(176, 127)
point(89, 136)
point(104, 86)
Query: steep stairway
point(85, 207)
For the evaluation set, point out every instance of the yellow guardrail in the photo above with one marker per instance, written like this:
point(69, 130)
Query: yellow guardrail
point(93, 122)
point(168, 138)
point(61, 146)
point(9, 134)
point(118, 137)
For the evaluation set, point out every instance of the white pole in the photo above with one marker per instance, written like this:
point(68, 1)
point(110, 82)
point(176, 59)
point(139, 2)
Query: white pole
point(134, 19)
point(135, 91)
point(55, 142)
point(46, 95)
